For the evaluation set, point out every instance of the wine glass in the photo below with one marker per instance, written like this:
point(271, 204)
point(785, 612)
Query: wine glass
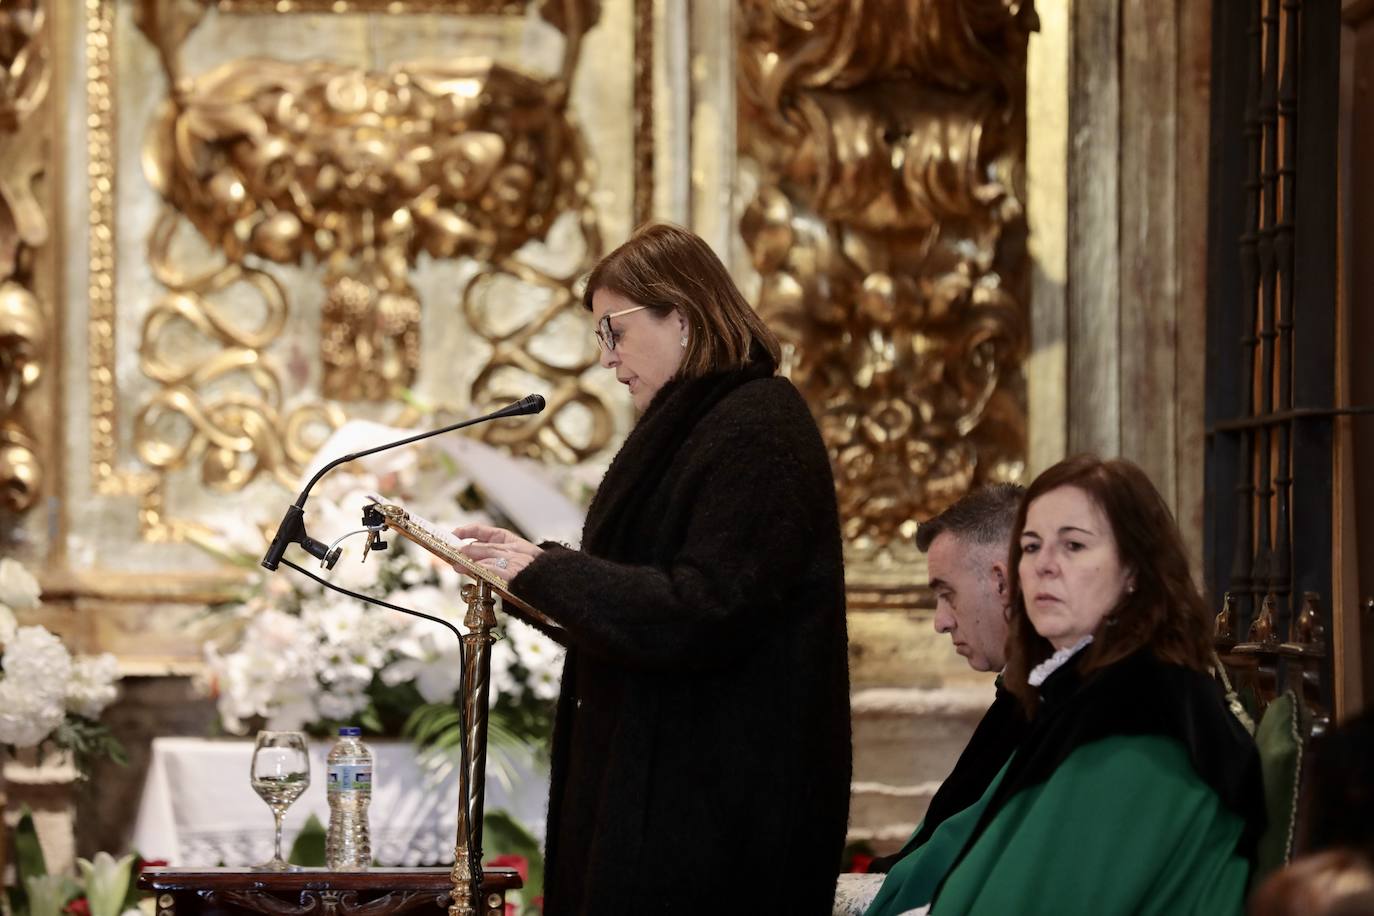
point(281, 772)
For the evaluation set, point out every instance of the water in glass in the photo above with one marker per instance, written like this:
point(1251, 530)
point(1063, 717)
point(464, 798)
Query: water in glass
point(280, 773)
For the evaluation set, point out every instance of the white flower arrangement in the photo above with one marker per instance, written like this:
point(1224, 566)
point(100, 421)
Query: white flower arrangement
point(309, 658)
point(45, 692)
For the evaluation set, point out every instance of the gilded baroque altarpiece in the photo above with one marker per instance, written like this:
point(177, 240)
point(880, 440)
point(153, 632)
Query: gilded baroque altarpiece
point(229, 225)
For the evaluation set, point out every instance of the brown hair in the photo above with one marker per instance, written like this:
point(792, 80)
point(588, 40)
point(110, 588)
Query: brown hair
point(1164, 611)
point(665, 267)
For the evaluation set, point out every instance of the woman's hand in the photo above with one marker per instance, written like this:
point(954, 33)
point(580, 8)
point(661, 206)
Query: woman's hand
point(497, 549)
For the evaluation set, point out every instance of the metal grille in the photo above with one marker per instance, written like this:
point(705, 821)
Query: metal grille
point(1271, 376)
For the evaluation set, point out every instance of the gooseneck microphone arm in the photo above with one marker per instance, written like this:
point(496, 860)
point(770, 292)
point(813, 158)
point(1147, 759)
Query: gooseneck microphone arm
point(292, 527)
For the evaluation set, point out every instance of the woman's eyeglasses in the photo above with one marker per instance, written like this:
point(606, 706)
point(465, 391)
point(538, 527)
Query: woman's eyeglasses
point(606, 336)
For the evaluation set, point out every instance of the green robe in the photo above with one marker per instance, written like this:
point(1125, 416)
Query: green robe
point(1124, 825)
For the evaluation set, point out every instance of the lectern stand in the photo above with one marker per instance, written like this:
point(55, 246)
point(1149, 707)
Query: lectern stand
point(481, 597)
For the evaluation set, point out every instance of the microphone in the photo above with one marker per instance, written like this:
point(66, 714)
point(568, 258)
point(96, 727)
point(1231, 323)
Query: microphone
point(530, 403)
point(292, 527)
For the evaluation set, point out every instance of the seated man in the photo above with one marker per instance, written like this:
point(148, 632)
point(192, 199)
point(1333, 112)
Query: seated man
point(966, 548)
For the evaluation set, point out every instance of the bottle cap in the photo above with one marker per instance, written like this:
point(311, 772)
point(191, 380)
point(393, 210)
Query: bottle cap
point(350, 731)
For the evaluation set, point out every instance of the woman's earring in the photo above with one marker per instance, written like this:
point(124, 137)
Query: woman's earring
point(683, 341)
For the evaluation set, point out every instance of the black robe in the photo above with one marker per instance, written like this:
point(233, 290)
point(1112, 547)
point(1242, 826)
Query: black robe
point(702, 741)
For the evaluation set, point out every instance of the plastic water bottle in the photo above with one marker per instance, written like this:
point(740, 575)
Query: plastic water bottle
point(348, 845)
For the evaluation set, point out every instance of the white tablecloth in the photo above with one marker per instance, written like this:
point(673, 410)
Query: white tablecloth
point(198, 808)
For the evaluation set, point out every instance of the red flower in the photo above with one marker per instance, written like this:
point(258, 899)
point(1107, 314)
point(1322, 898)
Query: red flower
point(519, 863)
point(860, 863)
point(78, 907)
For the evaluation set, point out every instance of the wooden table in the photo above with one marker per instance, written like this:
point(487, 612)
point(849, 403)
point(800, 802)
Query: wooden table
point(316, 891)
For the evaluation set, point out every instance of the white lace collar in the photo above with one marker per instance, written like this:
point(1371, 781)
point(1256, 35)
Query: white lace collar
point(1055, 661)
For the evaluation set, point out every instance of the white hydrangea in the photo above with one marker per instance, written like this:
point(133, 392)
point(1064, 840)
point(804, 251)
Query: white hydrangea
point(28, 715)
point(37, 660)
point(92, 684)
point(18, 588)
point(39, 681)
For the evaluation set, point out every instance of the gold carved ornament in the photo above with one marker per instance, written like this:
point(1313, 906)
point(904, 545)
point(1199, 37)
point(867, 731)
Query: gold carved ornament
point(25, 73)
point(360, 172)
point(889, 235)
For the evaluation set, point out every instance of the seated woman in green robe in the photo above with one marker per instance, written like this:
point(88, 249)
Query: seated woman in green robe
point(1135, 790)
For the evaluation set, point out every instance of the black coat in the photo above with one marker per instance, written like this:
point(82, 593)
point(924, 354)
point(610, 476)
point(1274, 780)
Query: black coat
point(701, 752)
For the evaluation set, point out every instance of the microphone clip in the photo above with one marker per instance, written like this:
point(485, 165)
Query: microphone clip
point(374, 524)
point(292, 531)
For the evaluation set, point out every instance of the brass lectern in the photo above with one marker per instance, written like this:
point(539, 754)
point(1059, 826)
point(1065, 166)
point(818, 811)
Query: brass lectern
point(385, 891)
point(480, 597)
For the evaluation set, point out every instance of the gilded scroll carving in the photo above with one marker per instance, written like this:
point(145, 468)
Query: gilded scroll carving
point(283, 160)
point(582, 423)
point(959, 45)
point(221, 403)
point(364, 172)
point(358, 173)
point(24, 79)
point(888, 233)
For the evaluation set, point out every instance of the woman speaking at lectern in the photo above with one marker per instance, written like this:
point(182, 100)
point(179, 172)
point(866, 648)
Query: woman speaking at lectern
point(703, 720)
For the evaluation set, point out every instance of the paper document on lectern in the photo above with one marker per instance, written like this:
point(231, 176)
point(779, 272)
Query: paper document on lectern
point(445, 546)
